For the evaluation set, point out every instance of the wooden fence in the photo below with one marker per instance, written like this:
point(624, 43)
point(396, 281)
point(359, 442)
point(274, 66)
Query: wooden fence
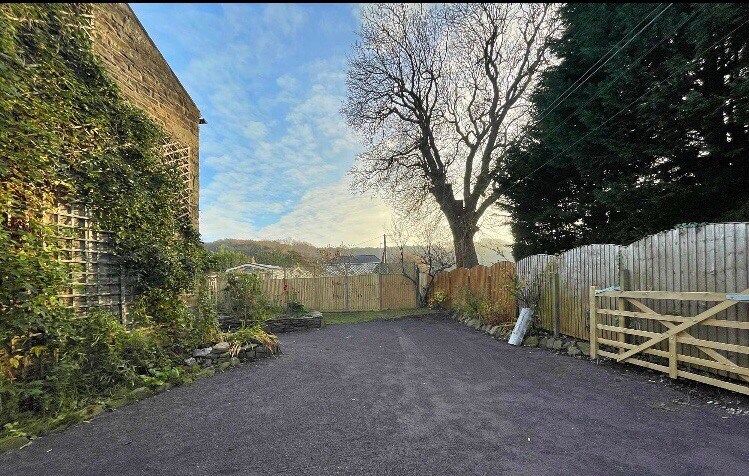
point(494, 283)
point(707, 258)
point(563, 281)
point(675, 343)
point(368, 292)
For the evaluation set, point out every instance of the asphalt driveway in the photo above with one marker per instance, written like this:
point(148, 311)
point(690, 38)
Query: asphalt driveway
point(412, 396)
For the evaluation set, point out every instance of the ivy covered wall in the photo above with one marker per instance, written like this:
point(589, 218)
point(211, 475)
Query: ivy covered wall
point(67, 134)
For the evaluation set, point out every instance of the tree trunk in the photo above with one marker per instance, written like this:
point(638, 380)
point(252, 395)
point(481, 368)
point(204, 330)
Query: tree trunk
point(465, 249)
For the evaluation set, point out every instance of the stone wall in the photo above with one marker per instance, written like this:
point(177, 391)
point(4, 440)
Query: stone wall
point(145, 79)
point(311, 320)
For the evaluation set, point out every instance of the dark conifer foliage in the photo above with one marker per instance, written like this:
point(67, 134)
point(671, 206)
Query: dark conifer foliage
point(657, 137)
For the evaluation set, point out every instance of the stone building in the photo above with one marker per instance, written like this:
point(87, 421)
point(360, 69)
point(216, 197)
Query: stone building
point(144, 79)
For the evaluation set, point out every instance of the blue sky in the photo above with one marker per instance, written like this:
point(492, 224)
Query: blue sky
point(270, 80)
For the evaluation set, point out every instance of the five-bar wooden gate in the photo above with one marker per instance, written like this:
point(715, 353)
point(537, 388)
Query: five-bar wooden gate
point(619, 328)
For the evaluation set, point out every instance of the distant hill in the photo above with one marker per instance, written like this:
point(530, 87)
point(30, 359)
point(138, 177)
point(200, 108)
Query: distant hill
point(299, 253)
point(286, 254)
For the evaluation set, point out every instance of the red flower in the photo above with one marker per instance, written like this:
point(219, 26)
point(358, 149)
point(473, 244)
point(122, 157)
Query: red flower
point(252, 300)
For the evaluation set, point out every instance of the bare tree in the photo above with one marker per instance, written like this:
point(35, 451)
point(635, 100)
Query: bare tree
point(335, 260)
point(439, 93)
point(421, 242)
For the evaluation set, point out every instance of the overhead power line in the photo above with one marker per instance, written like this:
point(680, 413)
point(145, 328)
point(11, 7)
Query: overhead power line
point(626, 107)
point(588, 74)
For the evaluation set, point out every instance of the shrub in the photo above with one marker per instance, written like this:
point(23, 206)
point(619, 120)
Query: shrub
point(294, 305)
point(252, 334)
point(477, 304)
point(244, 299)
point(438, 300)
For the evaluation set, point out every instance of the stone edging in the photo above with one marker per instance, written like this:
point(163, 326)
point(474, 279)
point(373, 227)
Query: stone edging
point(218, 357)
point(566, 344)
point(311, 320)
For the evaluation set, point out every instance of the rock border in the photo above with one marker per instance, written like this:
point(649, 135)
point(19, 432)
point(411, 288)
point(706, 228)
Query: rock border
point(310, 320)
point(219, 356)
point(535, 338)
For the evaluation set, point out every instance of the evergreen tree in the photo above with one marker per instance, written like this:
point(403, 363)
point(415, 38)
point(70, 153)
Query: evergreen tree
point(656, 137)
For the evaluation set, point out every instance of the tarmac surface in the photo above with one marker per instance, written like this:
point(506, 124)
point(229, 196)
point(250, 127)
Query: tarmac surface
point(415, 396)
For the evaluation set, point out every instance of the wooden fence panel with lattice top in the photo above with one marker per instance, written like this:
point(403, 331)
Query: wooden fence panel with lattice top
point(671, 344)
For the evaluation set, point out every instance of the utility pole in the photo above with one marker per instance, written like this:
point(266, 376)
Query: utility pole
point(385, 249)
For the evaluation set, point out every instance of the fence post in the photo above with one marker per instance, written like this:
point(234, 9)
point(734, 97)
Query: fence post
point(379, 284)
point(593, 327)
point(673, 370)
point(417, 284)
point(621, 305)
point(555, 300)
point(345, 288)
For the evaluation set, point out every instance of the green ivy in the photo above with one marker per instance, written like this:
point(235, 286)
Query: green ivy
point(67, 134)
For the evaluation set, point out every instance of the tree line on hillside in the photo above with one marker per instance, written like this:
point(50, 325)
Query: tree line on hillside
point(228, 253)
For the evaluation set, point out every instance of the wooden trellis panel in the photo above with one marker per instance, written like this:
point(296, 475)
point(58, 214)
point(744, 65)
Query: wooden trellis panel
point(96, 279)
point(177, 157)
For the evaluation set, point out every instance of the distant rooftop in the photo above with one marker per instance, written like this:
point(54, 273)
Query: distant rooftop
point(255, 266)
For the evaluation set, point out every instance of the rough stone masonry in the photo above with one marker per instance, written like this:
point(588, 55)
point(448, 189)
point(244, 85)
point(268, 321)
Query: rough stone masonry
point(145, 79)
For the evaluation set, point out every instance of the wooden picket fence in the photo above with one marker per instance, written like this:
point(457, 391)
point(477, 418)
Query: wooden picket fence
point(495, 283)
point(619, 328)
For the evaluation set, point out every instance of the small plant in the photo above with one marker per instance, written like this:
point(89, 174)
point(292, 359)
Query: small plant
point(294, 305)
point(252, 334)
point(438, 300)
point(528, 294)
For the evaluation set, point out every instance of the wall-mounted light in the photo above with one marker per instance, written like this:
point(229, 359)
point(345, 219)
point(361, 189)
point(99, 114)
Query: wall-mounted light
point(202, 121)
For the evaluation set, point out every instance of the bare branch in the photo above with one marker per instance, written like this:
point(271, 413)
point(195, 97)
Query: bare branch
point(439, 93)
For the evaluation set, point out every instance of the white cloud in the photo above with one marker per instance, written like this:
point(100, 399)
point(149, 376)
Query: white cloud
point(255, 130)
point(332, 214)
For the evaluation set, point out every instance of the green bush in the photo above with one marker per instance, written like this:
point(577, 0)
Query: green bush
point(477, 304)
point(244, 299)
point(438, 300)
point(294, 305)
